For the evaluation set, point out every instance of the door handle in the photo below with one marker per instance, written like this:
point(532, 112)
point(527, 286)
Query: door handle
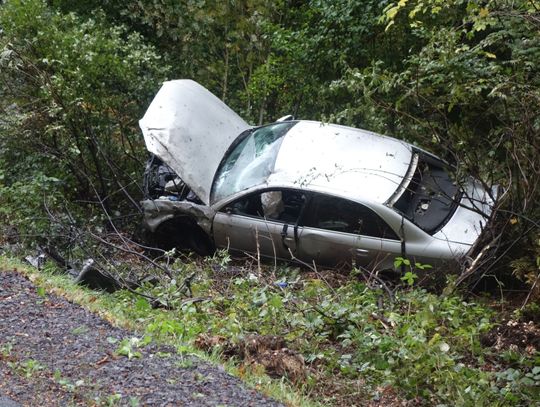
point(362, 252)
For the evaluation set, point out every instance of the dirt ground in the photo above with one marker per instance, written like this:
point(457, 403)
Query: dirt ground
point(55, 353)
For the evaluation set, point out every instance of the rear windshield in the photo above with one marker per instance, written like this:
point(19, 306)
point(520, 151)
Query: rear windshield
point(430, 196)
point(251, 161)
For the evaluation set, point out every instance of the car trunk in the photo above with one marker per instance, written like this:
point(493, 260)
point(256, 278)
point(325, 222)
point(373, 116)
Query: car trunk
point(471, 215)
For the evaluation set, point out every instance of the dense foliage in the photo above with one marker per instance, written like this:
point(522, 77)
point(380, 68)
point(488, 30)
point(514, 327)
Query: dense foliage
point(72, 92)
point(458, 77)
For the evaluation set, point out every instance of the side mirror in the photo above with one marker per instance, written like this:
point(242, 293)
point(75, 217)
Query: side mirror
point(228, 210)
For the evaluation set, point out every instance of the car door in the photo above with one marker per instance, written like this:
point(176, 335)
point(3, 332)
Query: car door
point(260, 223)
point(334, 230)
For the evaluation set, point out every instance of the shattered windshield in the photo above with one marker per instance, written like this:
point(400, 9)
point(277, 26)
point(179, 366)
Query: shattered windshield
point(429, 196)
point(251, 161)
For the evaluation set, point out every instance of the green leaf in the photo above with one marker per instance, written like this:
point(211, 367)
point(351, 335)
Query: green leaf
point(409, 278)
point(41, 291)
point(276, 302)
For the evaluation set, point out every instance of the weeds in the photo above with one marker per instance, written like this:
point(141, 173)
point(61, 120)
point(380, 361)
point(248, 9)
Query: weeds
point(355, 344)
point(27, 368)
point(67, 384)
point(5, 350)
point(112, 400)
point(128, 346)
point(426, 347)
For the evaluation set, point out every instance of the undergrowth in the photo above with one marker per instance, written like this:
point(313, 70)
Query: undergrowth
point(358, 344)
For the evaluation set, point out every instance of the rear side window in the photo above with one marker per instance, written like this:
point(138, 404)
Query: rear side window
point(341, 215)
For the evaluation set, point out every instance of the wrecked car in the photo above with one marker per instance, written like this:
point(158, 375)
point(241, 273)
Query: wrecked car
point(299, 190)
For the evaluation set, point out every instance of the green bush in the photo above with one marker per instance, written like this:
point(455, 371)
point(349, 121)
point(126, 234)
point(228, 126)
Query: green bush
point(72, 92)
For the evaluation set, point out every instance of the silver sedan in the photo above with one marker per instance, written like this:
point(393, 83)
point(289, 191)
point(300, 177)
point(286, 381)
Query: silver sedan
point(300, 190)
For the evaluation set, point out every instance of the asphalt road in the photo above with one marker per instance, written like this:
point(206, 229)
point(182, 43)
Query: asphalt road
point(55, 353)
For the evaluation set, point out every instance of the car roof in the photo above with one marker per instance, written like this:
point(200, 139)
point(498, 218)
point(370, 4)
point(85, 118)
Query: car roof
point(341, 160)
point(190, 129)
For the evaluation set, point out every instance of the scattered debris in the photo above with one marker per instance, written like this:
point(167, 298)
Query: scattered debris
point(89, 275)
point(36, 261)
point(93, 278)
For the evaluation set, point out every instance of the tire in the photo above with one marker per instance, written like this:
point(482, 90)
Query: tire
point(183, 234)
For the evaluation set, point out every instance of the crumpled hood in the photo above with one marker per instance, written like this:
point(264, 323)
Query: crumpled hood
point(190, 129)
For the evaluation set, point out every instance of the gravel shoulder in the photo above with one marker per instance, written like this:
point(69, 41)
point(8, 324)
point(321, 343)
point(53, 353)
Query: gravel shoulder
point(55, 353)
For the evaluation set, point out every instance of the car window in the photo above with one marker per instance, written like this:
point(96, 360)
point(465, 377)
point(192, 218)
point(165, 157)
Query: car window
point(341, 215)
point(430, 197)
point(277, 205)
point(251, 161)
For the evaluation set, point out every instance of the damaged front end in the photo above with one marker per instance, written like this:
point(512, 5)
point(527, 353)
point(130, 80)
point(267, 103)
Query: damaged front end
point(188, 130)
point(173, 214)
point(160, 181)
